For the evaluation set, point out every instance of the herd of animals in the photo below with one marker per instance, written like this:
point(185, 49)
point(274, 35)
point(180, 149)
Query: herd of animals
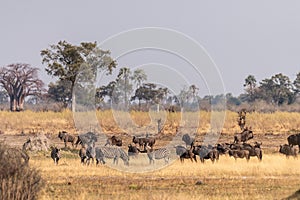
point(193, 148)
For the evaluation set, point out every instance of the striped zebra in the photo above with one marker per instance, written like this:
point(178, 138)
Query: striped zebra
point(162, 153)
point(111, 153)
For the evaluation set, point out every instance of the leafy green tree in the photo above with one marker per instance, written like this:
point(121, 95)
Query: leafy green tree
point(150, 93)
point(277, 90)
point(60, 92)
point(66, 61)
point(250, 87)
point(124, 86)
point(296, 84)
point(138, 77)
point(106, 91)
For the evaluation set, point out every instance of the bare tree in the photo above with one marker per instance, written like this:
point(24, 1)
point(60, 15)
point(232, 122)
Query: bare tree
point(20, 80)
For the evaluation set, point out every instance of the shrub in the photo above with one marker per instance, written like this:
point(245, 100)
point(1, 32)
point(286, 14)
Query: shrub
point(17, 179)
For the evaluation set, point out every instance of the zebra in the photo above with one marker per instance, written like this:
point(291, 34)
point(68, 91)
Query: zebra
point(162, 153)
point(111, 153)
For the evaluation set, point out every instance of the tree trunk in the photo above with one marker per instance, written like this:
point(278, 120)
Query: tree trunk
point(21, 103)
point(73, 98)
point(12, 103)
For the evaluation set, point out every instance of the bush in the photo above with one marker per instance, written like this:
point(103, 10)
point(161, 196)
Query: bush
point(17, 179)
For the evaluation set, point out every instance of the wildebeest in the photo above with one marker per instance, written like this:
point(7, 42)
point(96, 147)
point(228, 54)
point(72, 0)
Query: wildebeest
point(288, 150)
point(90, 153)
point(162, 153)
point(66, 137)
point(223, 148)
point(86, 138)
point(55, 155)
point(114, 140)
point(185, 153)
point(82, 154)
point(206, 152)
point(144, 141)
point(253, 150)
point(239, 153)
point(133, 151)
point(99, 156)
point(188, 139)
point(245, 135)
point(294, 140)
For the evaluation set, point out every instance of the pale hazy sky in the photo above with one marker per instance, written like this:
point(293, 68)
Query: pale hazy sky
point(242, 37)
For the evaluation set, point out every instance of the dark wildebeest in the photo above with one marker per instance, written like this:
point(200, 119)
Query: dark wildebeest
point(245, 135)
point(99, 156)
point(157, 154)
point(184, 153)
point(144, 141)
point(66, 137)
point(253, 150)
point(206, 152)
point(55, 155)
point(223, 148)
point(90, 153)
point(86, 138)
point(114, 140)
point(82, 154)
point(133, 151)
point(239, 153)
point(188, 140)
point(288, 150)
point(294, 140)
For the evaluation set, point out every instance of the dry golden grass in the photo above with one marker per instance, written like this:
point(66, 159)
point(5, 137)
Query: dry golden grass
point(119, 122)
point(274, 178)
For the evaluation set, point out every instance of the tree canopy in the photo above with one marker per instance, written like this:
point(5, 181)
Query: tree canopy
point(66, 61)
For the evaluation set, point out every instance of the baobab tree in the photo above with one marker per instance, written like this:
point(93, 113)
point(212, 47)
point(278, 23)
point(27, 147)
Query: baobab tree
point(20, 80)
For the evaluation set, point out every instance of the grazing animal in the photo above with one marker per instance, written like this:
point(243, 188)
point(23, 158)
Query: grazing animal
point(114, 140)
point(66, 137)
point(90, 153)
point(99, 156)
point(245, 135)
point(288, 150)
point(253, 150)
point(184, 153)
point(223, 148)
point(294, 140)
point(85, 139)
point(144, 141)
point(55, 155)
point(206, 152)
point(82, 154)
point(115, 153)
point(241, 153)
point(133, 151)
point(188, 140)
point(162, 153)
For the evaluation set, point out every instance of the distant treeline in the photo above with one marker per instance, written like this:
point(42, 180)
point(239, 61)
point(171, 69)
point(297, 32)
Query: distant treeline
point(75, 67)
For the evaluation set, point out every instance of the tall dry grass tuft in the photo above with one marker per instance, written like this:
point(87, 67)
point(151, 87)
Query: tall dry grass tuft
point(17, 179)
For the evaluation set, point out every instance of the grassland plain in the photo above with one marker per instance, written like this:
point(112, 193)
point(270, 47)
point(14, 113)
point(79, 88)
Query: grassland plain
point(52, 122)
point(274, 178)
